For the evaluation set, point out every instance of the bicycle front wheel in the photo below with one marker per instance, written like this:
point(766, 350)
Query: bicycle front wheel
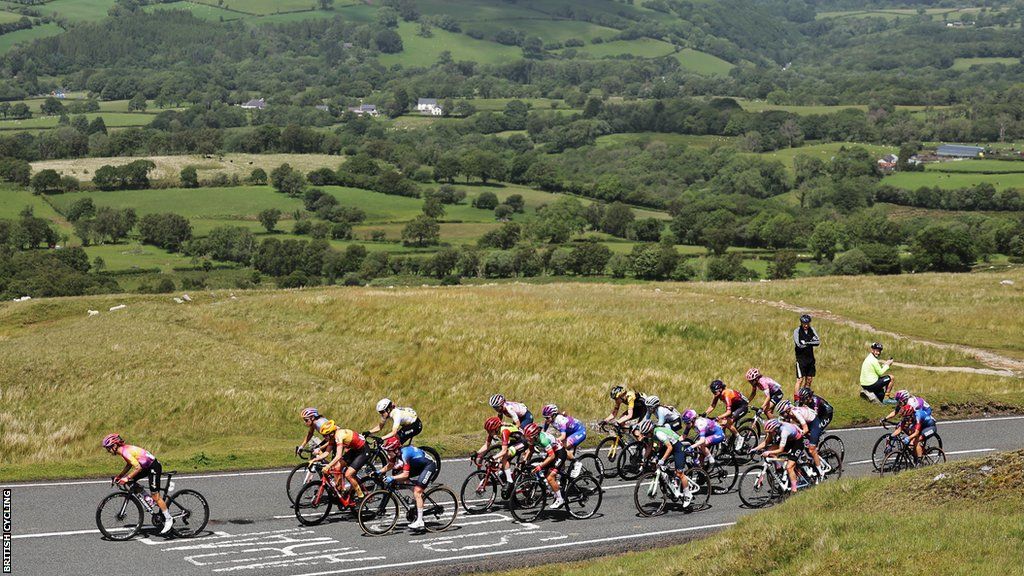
point(313, 504)
point(190, 511)
point(631, 461)
point(528, 496)
point(834, 462)
point(649, 495)
point(440, 507)
point(933, 455)
point(583, 496)
point(699, 485)
point(378, 513)
point(297, 478)
point(880, 450)
point(608, 453)
point(893, 463)
point(478, 492)
point(119, 516)
point(591, 464)
point(723, 474)
point(756, 490)
point(835, 444)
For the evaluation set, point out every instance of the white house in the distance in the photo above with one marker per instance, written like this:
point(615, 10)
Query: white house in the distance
point(429, 106)
point(368, 109)
point(257, 104)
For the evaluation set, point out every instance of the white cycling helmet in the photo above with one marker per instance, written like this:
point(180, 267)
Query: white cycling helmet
point(384, 405)
point(652, 401)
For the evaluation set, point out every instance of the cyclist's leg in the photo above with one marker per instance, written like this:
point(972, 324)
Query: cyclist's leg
point(154, 474)
point(358, 461)
point(410, 431)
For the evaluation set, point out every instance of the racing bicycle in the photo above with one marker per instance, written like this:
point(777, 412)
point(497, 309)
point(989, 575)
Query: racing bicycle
point(122, 514)
point(379, 512)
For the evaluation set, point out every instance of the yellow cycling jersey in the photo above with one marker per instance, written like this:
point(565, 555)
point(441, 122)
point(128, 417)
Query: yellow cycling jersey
point(629, 399)
point(350, 438)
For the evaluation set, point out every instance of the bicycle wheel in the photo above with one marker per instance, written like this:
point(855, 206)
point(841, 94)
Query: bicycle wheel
point(528, 498)
point(649, 495)
point(378, 513)
point(835, 444)
point(433, 455)
point(880, 450)
point(933, 455)
point(723, 474)
point(440, 507)
point(834, 462)
point(590, 464)
point(756, 487)
point(750, 439)
point(893, 463)
point(312, 506)
point(699, 484)
point(119, 516)
point(478, 492)
point(297, 479)
point(190, 511)
point(631, 461)
point(608, 452)
point(933, 440)
point(583, 496)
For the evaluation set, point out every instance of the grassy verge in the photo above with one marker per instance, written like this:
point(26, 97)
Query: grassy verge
point(179, 379)
point(914, 523)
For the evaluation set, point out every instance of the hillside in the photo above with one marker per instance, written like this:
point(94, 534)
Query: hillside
point(860, 527)
point(180, 377)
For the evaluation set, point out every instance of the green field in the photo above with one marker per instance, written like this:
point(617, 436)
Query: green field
point(952, 181)
point(112, 120)
point(419, 51)
point(262, 7)
point(641, 48)
point(547, 30)
point(805, 110)
point(266, 352)
point(853, 524)
point(131, 255)
point(78, 10)
point(703, 63)
point(699, 141)
point(966, 63)
point(977, 166)
point(204, 11)
point(823, 151)
point(9, 40)
point(8, 17)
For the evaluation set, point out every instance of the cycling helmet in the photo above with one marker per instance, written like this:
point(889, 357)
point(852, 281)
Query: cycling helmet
point(549, 411)
point(902, 396)
point(652, 401)
point(805, 394)
point(492, 424)
point(310, 413)
point(717, 386)
point(328, 428)
point(531, 430)
point(876, 346)
point(646, 427)
point(496, 401)
point(783, 406)
point(112, 440)
point(384, 405)
point(772, 425)
point(617, 391)
point(392, 444)
point(753, 374)
point(689, 416)
point(805, 318)
point(907, 411)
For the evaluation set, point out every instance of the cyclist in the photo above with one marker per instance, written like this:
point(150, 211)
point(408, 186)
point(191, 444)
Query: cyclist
point(313, 420)
point(709, 433)
point(517, 411)
point(805, 340)
point(790, 443)
point(736, 406)
point(675, 447)
point(662, 415)
point(875, 384)
point(821, 407)
point(627, 399)
point(139, 461)
point(405, 424)
point(905, 398)
point(512, 441)
point(568, 430)
point(771, 389)
point(554, 457)
point(350, 452)
point(917, 424)
point(807, 420)
point(409, 463)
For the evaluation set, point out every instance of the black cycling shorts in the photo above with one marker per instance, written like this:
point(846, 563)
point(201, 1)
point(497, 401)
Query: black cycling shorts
point(560, 456)
point(422, 477)
point(878, 388)
point(356, 459)
point(805, 367)
point(154, 473)
point(739, 410)
point(776, 396)
point(410, 431)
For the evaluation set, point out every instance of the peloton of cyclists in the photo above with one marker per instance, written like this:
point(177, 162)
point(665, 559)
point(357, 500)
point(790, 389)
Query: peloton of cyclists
point(916, 420)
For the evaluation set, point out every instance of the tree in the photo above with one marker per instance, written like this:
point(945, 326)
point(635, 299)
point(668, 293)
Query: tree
point(286, 179)
point(258, 176)
point(80, 209)
point(433, 207)
point(728, 268)
point(269, 217)
point(113, 223)
point(46, 181)
point(486, 201)
point(825, 240)
point(137, 103)
point(851, 263)
point(15, 170)
point(447, 168)
point(21, 111)
point(557, 222)
point(503, 212)
point(52, 107)
point(516, 202)
point(590, 258)
point(326, 4)
point(783, 265)
point(593, 107)
point(189, 177)
point(167, 230)
point(942, 248)
point(421, 231)
point(617, 219)
point(647, 229)
point(388, 41)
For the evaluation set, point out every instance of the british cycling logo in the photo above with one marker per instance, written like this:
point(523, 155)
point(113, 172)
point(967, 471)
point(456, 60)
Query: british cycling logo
point(7, 530)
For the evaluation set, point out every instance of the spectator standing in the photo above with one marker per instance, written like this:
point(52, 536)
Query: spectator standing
point(805, 340)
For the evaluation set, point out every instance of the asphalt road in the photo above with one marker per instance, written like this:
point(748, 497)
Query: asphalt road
point(253, 530)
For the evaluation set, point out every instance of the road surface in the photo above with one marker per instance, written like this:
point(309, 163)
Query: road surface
point(253, 530)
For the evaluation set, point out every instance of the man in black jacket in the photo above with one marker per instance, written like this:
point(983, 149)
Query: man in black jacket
point(805, 340)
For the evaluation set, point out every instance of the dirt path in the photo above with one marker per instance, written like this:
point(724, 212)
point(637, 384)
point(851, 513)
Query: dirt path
point(998, 365)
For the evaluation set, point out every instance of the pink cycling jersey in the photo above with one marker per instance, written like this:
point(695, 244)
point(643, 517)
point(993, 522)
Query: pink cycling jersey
point(137, 457)
point(516, 408)
point(787, 431)
point(766, 385)
point(804, 414)
point(706, 427)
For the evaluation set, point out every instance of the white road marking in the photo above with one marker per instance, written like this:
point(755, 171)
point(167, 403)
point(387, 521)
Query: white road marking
point(954, 453)
point(51, 534)
point(425, 561)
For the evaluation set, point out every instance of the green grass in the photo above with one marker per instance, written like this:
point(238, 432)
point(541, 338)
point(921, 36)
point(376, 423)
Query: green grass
point(266, 354)
point(970, 515)
point(698, 141)
point(703, 63)
point(641, 48)
point(242, 202)
point(78, 10)
point(13, 201)
point(131, 255)
point(419, 51)
point(977, 165)
point(9, 40)
point(967, 63)
point(8, 17)
point(546, 29)
point(948, 180)
point(112, 120)
point(204, 11)
point(498, 104)
point(824, 151)
point(805, 110)
point(263, 7)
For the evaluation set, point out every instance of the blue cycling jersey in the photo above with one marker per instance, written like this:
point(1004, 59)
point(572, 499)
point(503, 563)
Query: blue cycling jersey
point(413, 456)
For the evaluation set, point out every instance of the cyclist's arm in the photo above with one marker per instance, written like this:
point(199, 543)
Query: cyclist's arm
point(339, 453)
point(668, 450)
point(394, 430)
point(403, 475)
point(615, 411)
point(548, 460)
point(124, 470)
point(714, 402)
point(700, 442)
point(514, 417)
point(727, 413)
point(800, 420)
point(487, 444)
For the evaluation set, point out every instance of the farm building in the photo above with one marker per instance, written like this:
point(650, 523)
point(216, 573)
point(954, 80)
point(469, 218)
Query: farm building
point(369, 109)
point(257, 104)
point(960, 151)
point(429, 106)
point(888, 162)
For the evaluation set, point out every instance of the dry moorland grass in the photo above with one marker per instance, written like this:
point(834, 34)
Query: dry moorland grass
point(218, 383)
point(169, 167)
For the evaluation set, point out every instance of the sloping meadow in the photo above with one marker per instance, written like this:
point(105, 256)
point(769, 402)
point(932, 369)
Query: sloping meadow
point(219, 382)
